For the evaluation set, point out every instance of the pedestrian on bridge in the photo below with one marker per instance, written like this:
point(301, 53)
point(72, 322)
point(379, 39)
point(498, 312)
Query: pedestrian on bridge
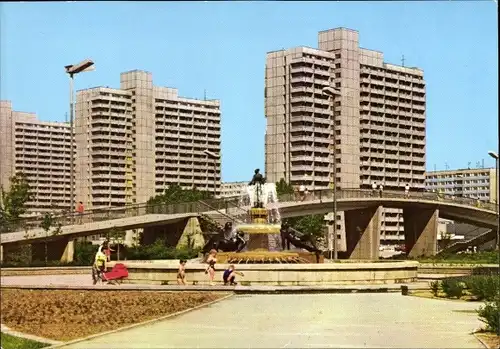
point(407, 190)
point(380, 189)
point(374, 188)
point(79, 211)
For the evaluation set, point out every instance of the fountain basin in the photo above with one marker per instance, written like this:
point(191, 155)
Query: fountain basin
point(258, 228)
point(165, 272)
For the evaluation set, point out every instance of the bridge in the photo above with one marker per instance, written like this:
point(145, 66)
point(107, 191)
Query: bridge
point(362, 211)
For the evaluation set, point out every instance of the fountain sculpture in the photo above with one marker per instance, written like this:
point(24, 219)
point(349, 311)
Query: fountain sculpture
point(262, 233)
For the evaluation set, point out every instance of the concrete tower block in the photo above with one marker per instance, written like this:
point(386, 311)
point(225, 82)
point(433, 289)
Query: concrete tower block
point(421, 229)
point(192, 233)
point(363, 233)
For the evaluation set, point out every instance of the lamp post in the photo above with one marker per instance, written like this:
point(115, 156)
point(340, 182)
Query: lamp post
point(495, 156)
point(333, 92)
point(72, 70)
point(214, 157)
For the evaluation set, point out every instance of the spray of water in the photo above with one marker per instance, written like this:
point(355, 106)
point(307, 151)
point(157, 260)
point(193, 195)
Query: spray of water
point(269, 199)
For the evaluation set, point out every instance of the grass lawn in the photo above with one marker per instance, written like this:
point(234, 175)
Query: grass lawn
point(10, 342)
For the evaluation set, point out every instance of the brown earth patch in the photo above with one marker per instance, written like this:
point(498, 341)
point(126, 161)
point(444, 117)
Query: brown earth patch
point(44, 272)
point(490, 339)
point(66, 315)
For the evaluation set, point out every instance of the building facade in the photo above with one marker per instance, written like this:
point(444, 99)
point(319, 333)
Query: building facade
point(379, 120)
point(232, 189)
point(474, 183)
point(134, 141)
point(40, 150)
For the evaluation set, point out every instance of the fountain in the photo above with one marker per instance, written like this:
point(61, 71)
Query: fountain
point(259, 238)
point(258, 243)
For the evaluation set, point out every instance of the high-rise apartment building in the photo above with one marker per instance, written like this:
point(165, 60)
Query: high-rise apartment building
point(40, 150)
point(475, 183)
point(379, 119)
point(134, 141)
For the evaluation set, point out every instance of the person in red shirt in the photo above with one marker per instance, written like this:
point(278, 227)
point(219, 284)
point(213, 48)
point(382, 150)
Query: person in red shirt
point(79, 211)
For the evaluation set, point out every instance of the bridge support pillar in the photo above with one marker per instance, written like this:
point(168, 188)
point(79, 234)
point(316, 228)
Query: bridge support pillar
point(69, 252)
point(61, 249)
point(1, 253)
point(421, 229)
point(362, 230)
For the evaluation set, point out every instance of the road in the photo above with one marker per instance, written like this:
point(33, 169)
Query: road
point(309, 321)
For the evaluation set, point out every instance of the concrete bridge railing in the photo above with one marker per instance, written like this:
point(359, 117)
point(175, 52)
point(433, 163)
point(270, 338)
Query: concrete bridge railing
point(231, 206)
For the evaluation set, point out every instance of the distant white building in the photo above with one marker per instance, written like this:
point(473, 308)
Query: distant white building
point(231, 189)
point(474, 183)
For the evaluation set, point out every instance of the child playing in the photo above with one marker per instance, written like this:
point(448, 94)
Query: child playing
point(211, 260)
point(229, 276)
point(181, 273)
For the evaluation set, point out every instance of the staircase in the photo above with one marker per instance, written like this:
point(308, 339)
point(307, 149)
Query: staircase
point(219, 217)
point(475, 241)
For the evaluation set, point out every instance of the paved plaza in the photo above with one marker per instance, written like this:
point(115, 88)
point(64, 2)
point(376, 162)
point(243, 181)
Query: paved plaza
point(309, 321)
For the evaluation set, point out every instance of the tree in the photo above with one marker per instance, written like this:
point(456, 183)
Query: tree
point(118, 237)
point(283, 188)
point(47, 223)
point(313, 226)
point(174, 194)
point(13, 201)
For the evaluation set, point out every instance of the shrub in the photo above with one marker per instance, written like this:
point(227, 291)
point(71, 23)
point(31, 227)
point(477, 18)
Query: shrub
point(452, 287)
point(84, 253)
point(435, 287)
point(158, 250)
point(484, 257)
point(485, 287)
point(490, 315)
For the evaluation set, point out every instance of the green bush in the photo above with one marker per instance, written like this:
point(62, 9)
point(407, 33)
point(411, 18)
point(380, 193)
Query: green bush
point(485, 257)
point(158, 250)
point(485, 287)
point(452, 287)
point(84, 253)
point(490, 315)
point(435, 287)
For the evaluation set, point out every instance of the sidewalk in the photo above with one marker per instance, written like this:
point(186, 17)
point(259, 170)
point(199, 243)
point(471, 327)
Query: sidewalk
point(84, 282)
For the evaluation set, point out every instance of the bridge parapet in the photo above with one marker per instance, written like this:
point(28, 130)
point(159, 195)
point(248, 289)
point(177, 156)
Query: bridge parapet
point(232, 207)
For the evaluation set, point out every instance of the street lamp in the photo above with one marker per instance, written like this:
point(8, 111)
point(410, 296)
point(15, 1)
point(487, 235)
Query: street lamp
point(72, 70)
point(214, 157)
point(333, 92)
point(495, 156)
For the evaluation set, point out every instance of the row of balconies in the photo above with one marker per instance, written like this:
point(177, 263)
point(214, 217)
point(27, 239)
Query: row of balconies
point(401, 83)
point(310, 70)
point(402, 141)
point(179, 122)
point(311, 119)
point(311, 100)
point(169, 166)
point(382, 163)
point(383, 142)
point(190, 174)
point(188, 132)
point(417, 120)
point(390, 74)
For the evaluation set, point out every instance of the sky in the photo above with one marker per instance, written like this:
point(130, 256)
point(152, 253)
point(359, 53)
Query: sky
point(221, 47)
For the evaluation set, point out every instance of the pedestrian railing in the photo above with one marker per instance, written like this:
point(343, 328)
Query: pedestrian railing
point(232, 207)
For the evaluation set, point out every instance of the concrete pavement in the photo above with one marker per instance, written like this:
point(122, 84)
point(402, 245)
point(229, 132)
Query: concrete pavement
point(309, 321)
point(81, 281)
